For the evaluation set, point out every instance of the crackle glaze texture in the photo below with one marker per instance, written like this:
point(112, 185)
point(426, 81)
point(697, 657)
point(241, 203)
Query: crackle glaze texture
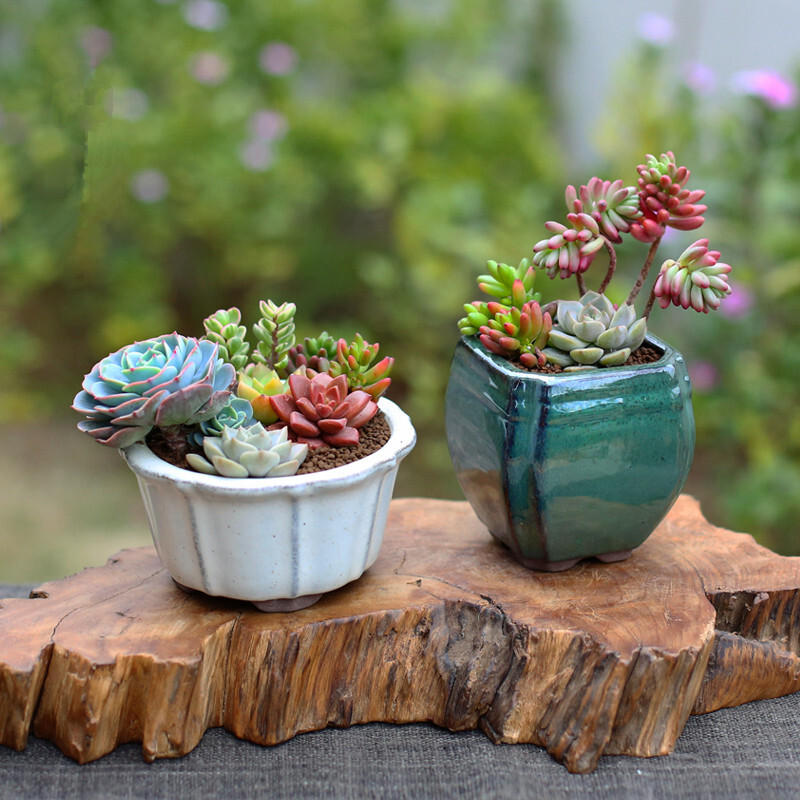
point(265, 539)
point(565, 466)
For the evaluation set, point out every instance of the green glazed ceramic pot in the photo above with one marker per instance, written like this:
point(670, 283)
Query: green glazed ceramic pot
point(565, 466)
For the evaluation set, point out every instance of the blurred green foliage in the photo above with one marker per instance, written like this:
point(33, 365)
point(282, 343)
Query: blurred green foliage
point(361, 158)
point(160, 160)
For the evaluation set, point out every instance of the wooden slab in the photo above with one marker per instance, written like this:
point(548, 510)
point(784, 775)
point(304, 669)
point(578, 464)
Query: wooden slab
point(446, 627)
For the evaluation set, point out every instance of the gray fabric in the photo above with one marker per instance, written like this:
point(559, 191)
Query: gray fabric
point(748, 752)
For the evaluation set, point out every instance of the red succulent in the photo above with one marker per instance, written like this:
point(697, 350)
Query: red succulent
point(320, 410)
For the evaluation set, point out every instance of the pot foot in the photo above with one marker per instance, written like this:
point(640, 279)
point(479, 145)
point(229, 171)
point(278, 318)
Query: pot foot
point(187, 589)
point(541, 565)
point(287, 603)
point(619, 555)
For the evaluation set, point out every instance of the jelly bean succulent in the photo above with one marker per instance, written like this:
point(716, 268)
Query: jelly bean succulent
point(591, 332)
point(204, 403)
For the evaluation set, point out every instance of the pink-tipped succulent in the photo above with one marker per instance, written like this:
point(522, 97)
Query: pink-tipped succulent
point(664, 199)
point(697, 279)
point(519, 333)
point(569, 250)
point(314, 354)
point(613, 206)
point(320, 410)
point(354, 361)
point(599, 214)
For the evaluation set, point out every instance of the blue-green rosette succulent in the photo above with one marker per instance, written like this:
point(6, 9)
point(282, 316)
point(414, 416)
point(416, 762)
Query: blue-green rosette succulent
point(166, 381)
point(237, 414)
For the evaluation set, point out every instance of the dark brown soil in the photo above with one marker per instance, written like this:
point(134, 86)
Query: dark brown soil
point(372, 437)
point(646, 354)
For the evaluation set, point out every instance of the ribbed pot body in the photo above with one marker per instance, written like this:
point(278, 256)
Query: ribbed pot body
point(263, 539)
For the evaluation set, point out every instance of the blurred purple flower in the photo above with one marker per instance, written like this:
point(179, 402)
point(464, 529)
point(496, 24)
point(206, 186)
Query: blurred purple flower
point(256, 155)
point(703, 375)
point(130, 104)
point(655, 28)
point(209, 68)
point(776, 90)
point(277, 58)
point(96, 43)
point(738, 303)
point(149, 186)
point(699, 77)
point(205, 15)
point(268, 124)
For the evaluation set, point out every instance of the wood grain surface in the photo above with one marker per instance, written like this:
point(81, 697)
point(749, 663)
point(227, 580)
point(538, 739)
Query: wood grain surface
point(446, 627)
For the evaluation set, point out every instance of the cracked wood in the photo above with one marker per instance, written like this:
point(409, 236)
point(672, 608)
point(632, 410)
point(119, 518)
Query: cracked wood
point(446, 627)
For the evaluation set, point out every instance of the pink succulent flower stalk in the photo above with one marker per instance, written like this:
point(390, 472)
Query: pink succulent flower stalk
point(320, 411)
point(697, 279)
point(664, 201)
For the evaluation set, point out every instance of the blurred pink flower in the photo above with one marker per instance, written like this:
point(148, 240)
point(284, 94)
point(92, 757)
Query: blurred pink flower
point(131, 104)
point(738, 303)
point(699, 77)
point(703, 375)
point(96, 43)
point(268, 124)
point(277, 58)
point(256, 155)
point(149, 186)
point(655, 28)
point(776, 90)
point(209, 68)
point(205, 15)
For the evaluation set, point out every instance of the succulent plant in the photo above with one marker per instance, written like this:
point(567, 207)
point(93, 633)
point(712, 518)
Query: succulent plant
point(354, 362)
point(569, 251)
point(319, 410)
point(613, 206)
point(503, 282)
point(225, 329)
point(590, 332)
point(275, 334)
point(167, 381)
point(664, 200)
point(519, 333)
point(252, 452)
point(314, 353)
point(257, 383)
point(237, 414)
point(696, 279)
point(508, 285)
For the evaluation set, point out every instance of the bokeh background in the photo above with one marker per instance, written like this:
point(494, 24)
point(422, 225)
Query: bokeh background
point(160, 159)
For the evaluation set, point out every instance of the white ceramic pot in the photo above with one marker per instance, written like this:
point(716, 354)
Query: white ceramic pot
point(277, 542)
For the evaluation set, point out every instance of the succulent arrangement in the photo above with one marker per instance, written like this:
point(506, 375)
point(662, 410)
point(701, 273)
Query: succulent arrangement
point(592, 332)
point(226, 409)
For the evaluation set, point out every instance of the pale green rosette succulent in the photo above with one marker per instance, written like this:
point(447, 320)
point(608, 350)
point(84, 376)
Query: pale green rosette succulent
point(590, 332)
point(166, 381)
point(252, 452)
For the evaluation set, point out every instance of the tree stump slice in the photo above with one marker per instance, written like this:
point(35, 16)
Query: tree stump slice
point(446, 627)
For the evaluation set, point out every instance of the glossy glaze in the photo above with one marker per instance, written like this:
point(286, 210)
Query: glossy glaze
point(562, 467)
point(271, 539)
